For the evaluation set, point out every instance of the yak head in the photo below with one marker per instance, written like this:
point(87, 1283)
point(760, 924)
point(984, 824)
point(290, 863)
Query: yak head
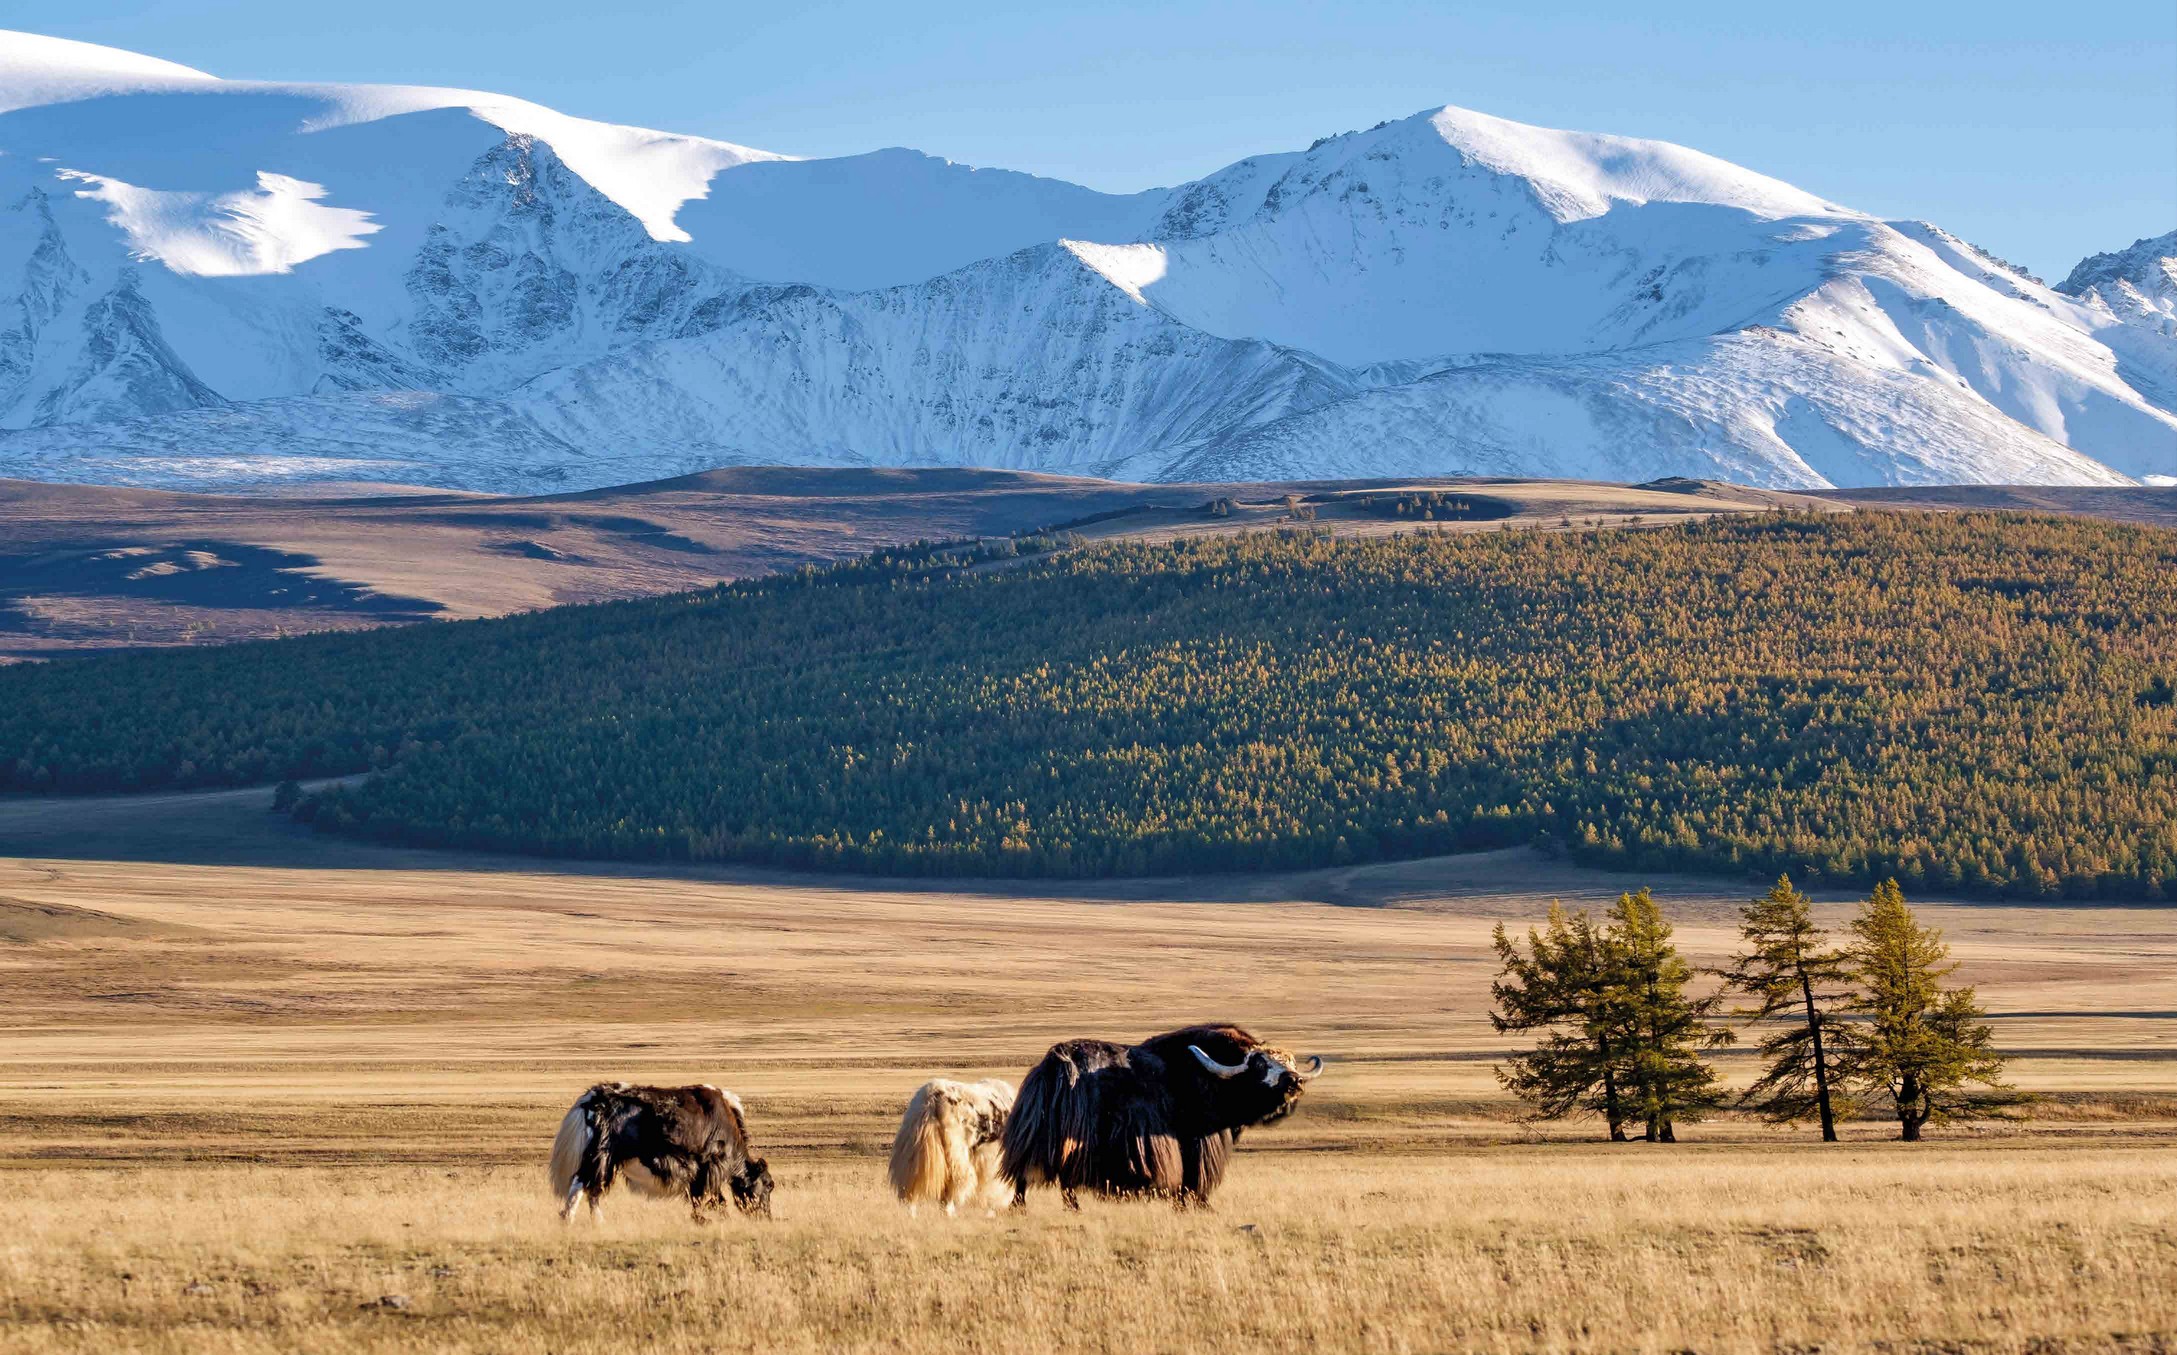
point(1262, 1087)
point(751, 1187)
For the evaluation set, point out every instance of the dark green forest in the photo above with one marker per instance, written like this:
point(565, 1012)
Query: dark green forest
point(1972, 702)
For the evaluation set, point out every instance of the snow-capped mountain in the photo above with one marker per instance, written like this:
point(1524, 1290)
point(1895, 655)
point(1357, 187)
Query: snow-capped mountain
point(2131, 301)
point(2136, 285)
point(207, 282)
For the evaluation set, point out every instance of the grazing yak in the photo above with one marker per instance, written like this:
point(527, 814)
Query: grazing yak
point(947, 1148)
point(665, 1142)
point(1156, 1119)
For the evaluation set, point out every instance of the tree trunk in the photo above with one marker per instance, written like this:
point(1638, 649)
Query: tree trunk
point(1612, 1113)
point(1911, 1114)
point(1821, 1064)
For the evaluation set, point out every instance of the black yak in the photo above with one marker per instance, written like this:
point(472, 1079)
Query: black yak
point(690, 1142)
point(1155, 1119)
point(946, 1151)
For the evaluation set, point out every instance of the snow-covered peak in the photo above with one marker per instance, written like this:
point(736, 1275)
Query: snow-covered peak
point(35, 69)
point(650, 173)
point(2150, 264)
point(2136, 286)
point(1453, 232)
point(1582, 174)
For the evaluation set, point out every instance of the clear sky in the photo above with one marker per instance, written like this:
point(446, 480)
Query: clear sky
point(2040, 131)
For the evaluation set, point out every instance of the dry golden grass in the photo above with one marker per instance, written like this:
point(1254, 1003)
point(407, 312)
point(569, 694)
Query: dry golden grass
point(1559, 1250)
point(245, 1090)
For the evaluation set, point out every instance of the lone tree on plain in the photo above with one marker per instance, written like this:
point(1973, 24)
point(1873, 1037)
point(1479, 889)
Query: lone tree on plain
point(1663, 1028)
point(1557, 986)
point(1791, 971)
point(1923, 1045)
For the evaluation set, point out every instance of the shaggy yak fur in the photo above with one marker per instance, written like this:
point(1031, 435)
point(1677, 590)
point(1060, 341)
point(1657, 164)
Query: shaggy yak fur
point(1158, 1118)
point(689, 1142)
point(947, 1149)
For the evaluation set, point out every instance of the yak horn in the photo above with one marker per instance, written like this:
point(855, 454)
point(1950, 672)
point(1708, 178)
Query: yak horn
point(1220, 1069)
point(1315, 1066)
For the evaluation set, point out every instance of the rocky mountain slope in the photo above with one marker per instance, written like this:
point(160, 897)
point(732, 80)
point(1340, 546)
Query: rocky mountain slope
point(210, 282)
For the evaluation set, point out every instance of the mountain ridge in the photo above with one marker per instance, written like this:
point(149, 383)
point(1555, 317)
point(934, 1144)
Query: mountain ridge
point(219, 283)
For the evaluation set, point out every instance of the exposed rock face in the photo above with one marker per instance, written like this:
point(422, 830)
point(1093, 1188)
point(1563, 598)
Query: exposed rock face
point(2136, 284)
point(529, 267)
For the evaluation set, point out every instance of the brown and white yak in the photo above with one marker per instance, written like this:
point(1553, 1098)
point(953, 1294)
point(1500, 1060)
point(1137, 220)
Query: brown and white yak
point(946, 1150)
point(1158, 1118)
point(665, 1142)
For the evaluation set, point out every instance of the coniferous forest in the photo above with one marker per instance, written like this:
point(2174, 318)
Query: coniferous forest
point(1973, 702)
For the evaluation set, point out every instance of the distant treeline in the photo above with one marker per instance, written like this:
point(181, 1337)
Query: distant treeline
point(1968, 702)
point(1428, 505)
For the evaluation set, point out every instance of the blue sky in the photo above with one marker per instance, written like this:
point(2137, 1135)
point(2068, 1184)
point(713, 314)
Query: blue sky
point(2042, 132)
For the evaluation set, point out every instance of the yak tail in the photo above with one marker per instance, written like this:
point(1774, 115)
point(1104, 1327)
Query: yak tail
point(927, 1153)
point(1039, 1143)
point(568, 1150)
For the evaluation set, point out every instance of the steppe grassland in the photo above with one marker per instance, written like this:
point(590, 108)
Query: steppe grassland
point(1574, 1248)
point(241, 1102)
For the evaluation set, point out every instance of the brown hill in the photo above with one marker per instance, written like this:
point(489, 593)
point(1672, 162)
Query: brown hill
point(89, 567)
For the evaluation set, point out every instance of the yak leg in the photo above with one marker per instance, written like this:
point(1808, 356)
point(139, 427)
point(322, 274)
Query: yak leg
point(704, 1187)
point(1073, 1202)
point(1190, 1194)
point(574, 1197)
point(960, 1187)
point(598, 1169)
point(595, 1188)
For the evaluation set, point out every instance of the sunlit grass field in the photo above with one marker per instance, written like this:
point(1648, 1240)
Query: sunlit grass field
point(241, 1104)
point(1565, 1248)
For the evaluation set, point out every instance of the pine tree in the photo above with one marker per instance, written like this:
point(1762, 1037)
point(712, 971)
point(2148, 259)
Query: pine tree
point(1557, 987)
point(1663, 1028)
point(1791, 971)
point(1922, 1045)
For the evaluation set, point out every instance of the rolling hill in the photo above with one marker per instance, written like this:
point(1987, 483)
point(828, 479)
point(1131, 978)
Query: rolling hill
point(1972, 702)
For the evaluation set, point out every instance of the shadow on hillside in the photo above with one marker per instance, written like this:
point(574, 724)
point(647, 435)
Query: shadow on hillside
point(219, 574)
point(238, 828)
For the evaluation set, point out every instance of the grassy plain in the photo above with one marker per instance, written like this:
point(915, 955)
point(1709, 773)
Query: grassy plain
point(252, 1081)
